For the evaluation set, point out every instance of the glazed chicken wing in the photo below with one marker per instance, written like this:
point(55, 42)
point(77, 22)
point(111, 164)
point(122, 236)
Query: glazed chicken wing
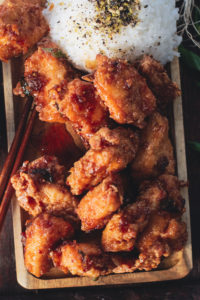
point(79, 103)
point(83, 259)
point(41, 235)
point(40, 187)
point(159, 82)
point(22, 25)
point(96, 208)
point(155, 154)
point(123, 91)
point(45, 70)
point(111, 151)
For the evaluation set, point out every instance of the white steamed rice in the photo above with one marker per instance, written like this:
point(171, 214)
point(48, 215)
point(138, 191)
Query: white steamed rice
point(72, 27)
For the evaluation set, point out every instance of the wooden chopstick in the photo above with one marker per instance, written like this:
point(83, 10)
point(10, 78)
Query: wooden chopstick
point(5, 173)
point(9, 189)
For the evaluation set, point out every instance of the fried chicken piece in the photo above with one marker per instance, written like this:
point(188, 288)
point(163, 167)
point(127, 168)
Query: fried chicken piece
point(164, 234)
point(174, 201)
point(79, 103)
point(48, 75)
point(97, 207)
point(22, 25)
point(45, 71)
point(157, 79)
point(155, 154)
point(83, 259)
point(41, 235)
point(111, 151)
point(122, 230)
point(124, 91)
point(40, 186)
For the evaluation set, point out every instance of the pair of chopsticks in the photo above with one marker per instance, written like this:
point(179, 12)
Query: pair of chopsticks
point(15, 156)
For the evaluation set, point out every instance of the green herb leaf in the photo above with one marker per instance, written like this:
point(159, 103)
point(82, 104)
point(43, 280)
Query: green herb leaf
point(195, 146)
point(24, 86)
point(95, 278)
point(191, 59)
point(57, 53)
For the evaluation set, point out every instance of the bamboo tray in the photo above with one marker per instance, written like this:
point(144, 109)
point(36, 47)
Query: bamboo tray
point(175, 267)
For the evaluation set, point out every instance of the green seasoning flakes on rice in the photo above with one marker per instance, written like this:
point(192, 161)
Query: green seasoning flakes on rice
point(120, 29)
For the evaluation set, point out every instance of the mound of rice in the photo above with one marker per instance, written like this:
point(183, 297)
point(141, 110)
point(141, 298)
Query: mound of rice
point(74, 28)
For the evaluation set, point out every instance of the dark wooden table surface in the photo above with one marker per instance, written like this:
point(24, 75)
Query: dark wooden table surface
point(187, 288)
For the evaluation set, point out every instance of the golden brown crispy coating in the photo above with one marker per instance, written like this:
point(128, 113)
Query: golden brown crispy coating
point(111, 151)
point(48, 77)
point(96, 208)
point(41, 235)
point(171, 185)
point(83, 259)
point(164, 234)
point(163, 193)
point(122, 230)
point(22, 25)
point(79, 103)
point(123, 91)
point(155, 154)
point(159, 82)
point(40, 187)
point(45, 71)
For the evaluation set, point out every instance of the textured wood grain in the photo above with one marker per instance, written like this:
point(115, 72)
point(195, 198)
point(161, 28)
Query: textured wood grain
point(183, 259)
point(9, 104)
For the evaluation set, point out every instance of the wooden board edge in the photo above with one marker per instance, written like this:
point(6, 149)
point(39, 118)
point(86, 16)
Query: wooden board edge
point(181, 155)
point(180, 270)
point(9, 104)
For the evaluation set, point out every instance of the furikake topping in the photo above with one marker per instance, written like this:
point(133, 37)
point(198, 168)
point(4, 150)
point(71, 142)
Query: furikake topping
point(112, 14)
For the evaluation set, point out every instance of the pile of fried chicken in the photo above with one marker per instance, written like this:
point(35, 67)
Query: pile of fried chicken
point(83, 221)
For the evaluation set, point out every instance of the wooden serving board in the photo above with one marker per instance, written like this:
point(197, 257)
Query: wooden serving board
point(175, 267)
